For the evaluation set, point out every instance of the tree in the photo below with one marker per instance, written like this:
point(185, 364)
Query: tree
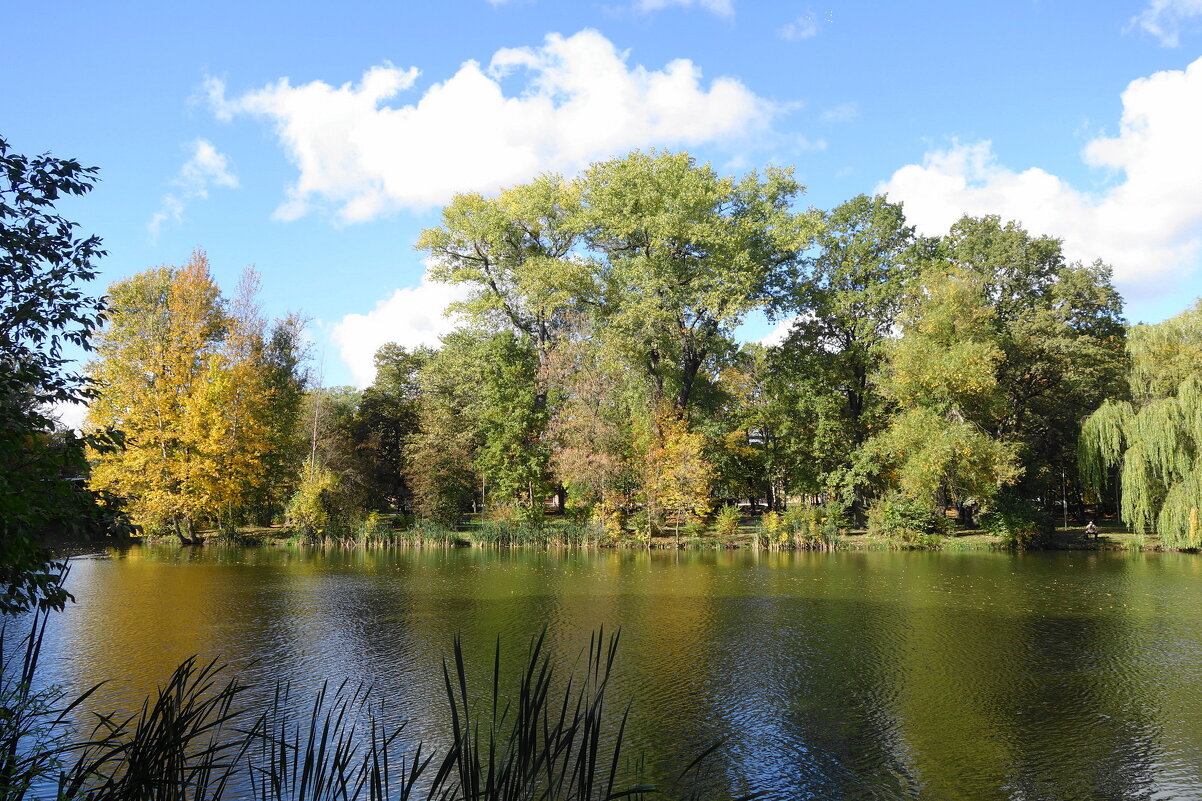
point(515, 252)
point(846, 307)
point(941, 375)
point(686, 254)
point(386, 418)
point(511, 423)
point(1154, 441)
point(440, 458)
point(153, 355)
point(285, 357)
point(43, 313)
point(1060, 332)
point(206, 401)
point(676, 476)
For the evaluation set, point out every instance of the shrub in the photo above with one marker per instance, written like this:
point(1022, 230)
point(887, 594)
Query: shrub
point(376, 528)
point(1020, 524)
point(771, 526)
point(726, 521)
point(905, 519)
point(809, 526)
point(310, 507)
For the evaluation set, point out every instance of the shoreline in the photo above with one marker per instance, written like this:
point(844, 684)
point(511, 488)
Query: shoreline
point(1112, 538)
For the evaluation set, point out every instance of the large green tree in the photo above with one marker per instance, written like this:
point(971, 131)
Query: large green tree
point(684, 256)
point(1060, 332)
point(846, 304)
point(386, 418)
point(942, 377)
point(1153, 443)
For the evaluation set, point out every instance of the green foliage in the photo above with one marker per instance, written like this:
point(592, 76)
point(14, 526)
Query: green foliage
point(1020, 524)
point(1103, 441)
point(771, 527)
point(863, 261)
point(727, 521)
point(936, 461)
point(320, 508)
point(1155, 442)
point(906, 519)
point(43, 310)
point(684, 256)
point(385, 419)
point(1165, 354)
point(511, 425)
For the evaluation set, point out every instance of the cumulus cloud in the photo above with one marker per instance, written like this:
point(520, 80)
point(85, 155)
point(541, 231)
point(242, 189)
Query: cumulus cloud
point(804, 27)
point(779, 332)
point(410, 317)
point(555, 107)
point(69, 415)
point(205, 168)
point(1165, 19)
point(1147, 222)
point(721, 8)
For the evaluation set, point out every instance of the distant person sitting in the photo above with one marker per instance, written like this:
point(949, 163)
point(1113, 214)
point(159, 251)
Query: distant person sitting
point(1091, 530)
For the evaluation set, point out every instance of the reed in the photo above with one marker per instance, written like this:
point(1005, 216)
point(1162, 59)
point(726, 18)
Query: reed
point(195, 739)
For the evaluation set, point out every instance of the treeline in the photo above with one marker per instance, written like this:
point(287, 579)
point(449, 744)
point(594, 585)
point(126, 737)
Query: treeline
point(597, 373)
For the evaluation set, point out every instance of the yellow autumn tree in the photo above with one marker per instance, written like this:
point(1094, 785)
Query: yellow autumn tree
point(184, 375)
point(164, 325)
point(677, 478)
point(228, 417)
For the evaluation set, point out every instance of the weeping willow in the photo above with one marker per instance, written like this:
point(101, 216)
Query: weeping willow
point(1155, 442)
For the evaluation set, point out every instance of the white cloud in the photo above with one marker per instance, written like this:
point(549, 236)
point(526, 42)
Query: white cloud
point(779, 332)
point(844, 112)
point(804, 27)
point(410, 317)
point(578, 101)
point(1165, 19)
point(69, 415)
point(204, 168)
point(1147, 223)
point(721, 8)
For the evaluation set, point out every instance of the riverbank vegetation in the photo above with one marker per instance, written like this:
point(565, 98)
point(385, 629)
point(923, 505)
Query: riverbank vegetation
point(918, 386)
point(597, 389)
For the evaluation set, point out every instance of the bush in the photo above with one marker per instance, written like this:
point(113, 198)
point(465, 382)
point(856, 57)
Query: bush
point(726, 521)
point(320, 509)
point(1020, 524)
point(771, 528)
point(809, 526)
point(376, 528)
point(906, 520)
point(612, 519)
point(644, 524)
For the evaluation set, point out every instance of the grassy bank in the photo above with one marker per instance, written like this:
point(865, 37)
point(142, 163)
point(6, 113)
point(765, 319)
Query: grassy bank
point(556, 532)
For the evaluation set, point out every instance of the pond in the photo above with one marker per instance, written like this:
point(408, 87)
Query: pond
point(846, 675)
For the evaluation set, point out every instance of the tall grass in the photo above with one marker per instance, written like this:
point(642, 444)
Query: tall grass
point(195, 740)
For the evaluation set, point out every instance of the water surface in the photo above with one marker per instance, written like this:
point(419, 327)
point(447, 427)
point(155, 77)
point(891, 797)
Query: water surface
point(830, 676)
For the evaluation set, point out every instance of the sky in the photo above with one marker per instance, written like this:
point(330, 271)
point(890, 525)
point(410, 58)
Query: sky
point(314, 141)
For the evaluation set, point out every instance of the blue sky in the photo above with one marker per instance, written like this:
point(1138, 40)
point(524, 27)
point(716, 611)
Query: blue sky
point(315, 142)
